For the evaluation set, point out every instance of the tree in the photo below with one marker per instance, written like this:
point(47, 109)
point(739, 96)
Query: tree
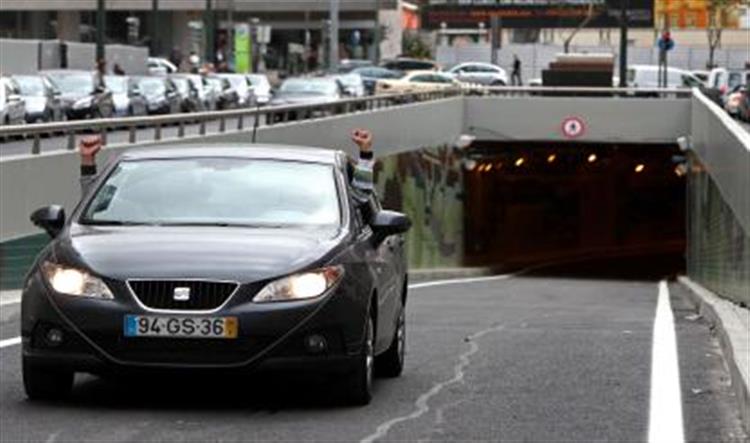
point(590, 14)
point(718, 11)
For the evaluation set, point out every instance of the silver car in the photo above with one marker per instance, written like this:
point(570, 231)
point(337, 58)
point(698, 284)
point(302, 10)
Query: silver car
point(41, 98)
point(244, 88)
point(480, 73)
point(12, 108)
point(127, 96)
point(261, 87)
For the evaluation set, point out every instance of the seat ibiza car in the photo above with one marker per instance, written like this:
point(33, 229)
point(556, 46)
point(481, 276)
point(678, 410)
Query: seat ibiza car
point(227, 257)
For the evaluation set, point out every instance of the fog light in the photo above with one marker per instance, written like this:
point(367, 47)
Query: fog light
point(315, 343)
point(54, 337)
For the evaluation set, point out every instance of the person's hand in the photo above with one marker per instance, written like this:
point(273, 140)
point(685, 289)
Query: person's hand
point(88, 148)
point(363, 139)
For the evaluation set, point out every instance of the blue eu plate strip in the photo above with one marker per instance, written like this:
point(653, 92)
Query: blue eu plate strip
point(131, 326)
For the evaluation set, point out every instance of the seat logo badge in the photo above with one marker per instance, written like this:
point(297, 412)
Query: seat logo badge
point(181, 294)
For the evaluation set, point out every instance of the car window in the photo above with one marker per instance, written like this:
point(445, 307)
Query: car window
point(735, 79)
point(718, 79)
point(690, 82)
point(423, 78)
point(217, 191)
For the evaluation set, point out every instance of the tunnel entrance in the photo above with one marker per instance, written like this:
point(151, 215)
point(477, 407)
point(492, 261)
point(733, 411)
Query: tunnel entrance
point(540, 203)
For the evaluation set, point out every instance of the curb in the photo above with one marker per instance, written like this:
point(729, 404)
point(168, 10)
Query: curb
point(729, 331)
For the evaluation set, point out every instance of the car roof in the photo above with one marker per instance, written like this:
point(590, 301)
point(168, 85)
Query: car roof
point(237, 150)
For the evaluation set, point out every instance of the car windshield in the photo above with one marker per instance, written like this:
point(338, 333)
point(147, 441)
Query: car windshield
point(217, 191)
point(152, 86)
point(181, 84)
point(308, 86)
point(259, 81)
point(117, 84)
point(74, 83)
point(30, 85)
point(374, 72)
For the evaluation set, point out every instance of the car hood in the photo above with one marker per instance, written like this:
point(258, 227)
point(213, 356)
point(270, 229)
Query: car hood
point(35, 105)
point(221, 253)
point(73, 96)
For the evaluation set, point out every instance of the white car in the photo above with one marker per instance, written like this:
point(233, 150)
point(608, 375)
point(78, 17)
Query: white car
point(647, 76)
point(725, 80)
point(480, 73)
point(12, 108)
point(160, 66)
point(241, 84)
point(261, 87)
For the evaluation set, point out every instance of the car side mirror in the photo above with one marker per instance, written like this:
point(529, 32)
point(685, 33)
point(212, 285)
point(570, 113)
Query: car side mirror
point(387, 223)
point(50, 218)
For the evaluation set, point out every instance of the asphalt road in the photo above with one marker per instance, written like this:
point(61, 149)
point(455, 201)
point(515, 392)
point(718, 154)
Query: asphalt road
point(539, 357)
point(16, 146)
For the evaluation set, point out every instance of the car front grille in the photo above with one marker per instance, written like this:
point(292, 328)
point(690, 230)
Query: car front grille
point(182, 295)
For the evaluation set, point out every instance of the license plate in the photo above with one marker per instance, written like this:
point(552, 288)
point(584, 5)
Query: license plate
point(180, 327)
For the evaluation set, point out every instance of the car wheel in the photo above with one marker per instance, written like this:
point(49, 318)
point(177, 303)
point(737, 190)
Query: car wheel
point(46, 383)
point(391, 362)
point(359, 382)
point(497, 83)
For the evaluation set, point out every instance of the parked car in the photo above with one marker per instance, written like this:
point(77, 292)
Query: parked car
point(160, 66)
point(701, 75)
point(161, 95)
point(743, 109)
point(479, 73)
point(647, 76)
point(725, 80)
point(349, 64)
point(189, 93)
point(244, 88)
point(308, 90)
point(405, 64)
point(261, 88)
point(734, 99)
point(127, 96)
point(352, 84)
point(163, 255)
point(41, 99)
point(221, 89)
point(200, 83)
point(81, 95)
point(417, 81)
point(371, 74)
point(12, 109)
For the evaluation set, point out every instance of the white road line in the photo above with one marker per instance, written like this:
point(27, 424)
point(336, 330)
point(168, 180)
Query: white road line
point(665, 418)
point(12, 301)
point(454, 281)
point(10, 342)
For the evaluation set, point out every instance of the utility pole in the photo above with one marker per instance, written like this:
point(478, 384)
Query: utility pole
point(623, 43)
point(333, 48)
point(208, 26)
point(155, 28)
point(377, 34)
point(101, 23)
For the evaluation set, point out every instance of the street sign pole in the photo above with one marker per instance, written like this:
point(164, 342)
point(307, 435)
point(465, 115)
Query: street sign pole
point(496, 37)
point(154, 27)
point(333, 49)
point(623, 43)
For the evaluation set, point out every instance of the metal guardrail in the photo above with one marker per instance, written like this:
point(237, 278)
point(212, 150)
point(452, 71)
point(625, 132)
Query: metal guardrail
point(282, 114)
point(270, 115)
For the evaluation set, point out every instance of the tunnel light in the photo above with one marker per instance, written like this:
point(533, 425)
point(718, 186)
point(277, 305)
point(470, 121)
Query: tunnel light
point(639, 168)
point(551, 158)
point(488, 168)
point(591, 158)
point(470, 164)
point(680, 170)
point(520, 161)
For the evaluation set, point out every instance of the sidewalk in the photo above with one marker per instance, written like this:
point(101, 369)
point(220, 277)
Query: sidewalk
point(732, 324)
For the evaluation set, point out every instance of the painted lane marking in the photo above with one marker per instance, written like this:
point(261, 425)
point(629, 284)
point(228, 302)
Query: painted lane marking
point(665, 416)
point(421, 406)
point(454, 281)
point(11, 301)
point(10, 342)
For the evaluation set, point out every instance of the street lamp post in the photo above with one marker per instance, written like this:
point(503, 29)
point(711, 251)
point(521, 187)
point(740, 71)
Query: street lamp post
point(333, 49)
point(209, 29)
point(100, 29)
point(154, 27)
point(623, 43)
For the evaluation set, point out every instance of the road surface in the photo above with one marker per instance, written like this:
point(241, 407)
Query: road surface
point(557, 356)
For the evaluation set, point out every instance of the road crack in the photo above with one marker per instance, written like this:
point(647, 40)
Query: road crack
point(421, 405)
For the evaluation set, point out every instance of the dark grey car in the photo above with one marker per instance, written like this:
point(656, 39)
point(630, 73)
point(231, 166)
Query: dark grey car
point(162, 96)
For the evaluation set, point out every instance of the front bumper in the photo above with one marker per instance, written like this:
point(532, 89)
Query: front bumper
point(271, 336)
point(79, 113)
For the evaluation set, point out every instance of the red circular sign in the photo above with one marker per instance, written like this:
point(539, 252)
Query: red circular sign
point(573, 127)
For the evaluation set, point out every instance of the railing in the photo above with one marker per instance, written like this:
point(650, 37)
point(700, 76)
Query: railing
point(239, 117)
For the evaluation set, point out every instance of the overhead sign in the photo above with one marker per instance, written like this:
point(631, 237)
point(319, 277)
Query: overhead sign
point(573, 127)
point(538, 14)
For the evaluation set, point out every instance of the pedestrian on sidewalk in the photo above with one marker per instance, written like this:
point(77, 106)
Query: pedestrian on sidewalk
point(515, 76)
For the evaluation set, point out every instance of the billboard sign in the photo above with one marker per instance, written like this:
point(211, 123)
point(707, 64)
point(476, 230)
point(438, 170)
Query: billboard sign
point(538, 13)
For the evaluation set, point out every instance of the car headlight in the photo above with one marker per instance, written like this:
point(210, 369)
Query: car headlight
point(301, 286)
point(71, 281)
point(83, 103)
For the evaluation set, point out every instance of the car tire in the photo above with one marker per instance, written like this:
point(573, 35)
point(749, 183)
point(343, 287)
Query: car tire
point(46, 383)
point(391, 362)
point(359, 382)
